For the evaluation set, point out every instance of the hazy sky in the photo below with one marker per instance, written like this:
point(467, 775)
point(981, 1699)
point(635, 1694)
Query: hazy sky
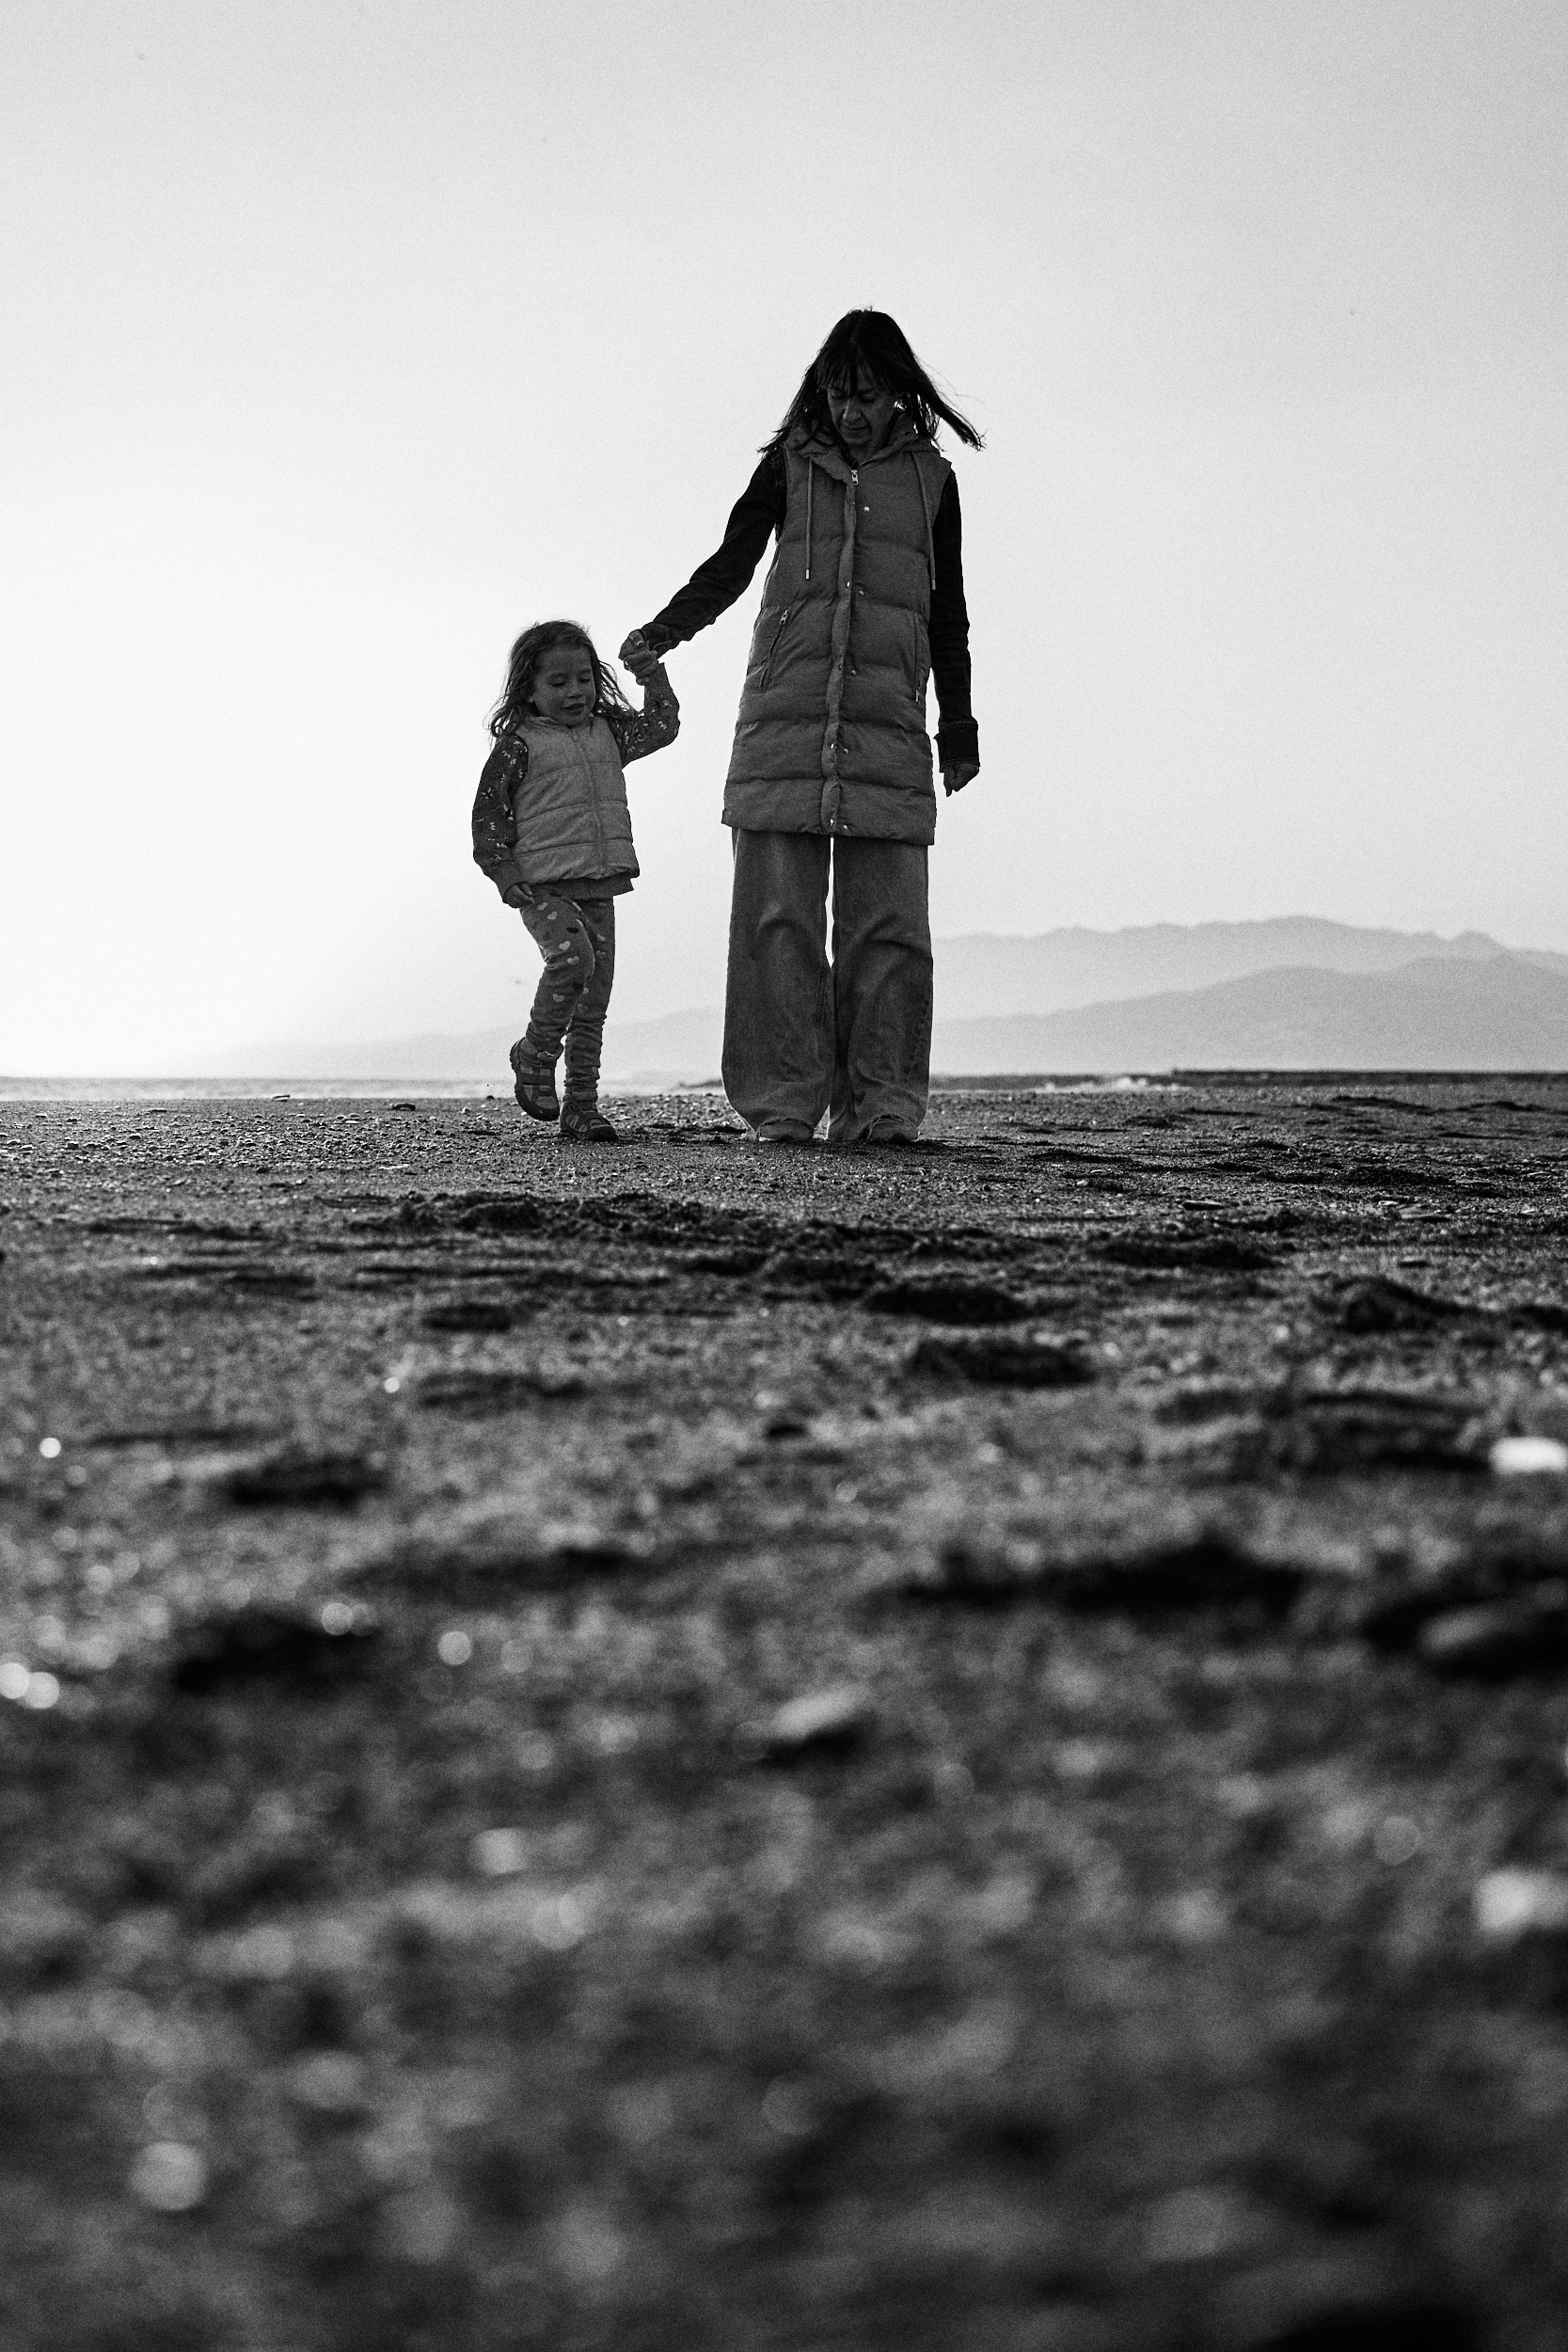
point(343, 341)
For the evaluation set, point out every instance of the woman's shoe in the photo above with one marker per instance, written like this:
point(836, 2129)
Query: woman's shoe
point(584, 1122)
point(786, 1133)
point(535, 1084)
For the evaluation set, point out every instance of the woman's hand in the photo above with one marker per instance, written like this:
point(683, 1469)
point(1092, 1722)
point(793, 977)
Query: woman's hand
point(640, 656)
point(962, 771)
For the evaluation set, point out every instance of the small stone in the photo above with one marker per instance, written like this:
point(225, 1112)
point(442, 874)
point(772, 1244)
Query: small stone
point(1397, 1840)
point(41, 1937)
point(830, 1722)
point(420, 2226)
point(586, 2244)
point(1195, 1917)
point(263, 1955)
point(1493, 1638)
point(330, 2082)
point(499, 1854)
point(787, 2111)
point(1513, 1903)
point(559, 1922)
point(1201, 2224)
point(1529, 1458)
point(169, 2177)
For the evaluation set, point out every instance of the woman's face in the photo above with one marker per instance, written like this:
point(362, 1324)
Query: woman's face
point(861, 411)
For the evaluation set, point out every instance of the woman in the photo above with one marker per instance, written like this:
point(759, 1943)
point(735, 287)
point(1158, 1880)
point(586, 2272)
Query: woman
point(831, 760)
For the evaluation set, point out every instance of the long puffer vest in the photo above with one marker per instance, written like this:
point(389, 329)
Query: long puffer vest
point(831, 732)
point(570, 809)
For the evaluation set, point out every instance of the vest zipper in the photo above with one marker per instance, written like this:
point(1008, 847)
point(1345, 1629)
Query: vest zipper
point(592, 794)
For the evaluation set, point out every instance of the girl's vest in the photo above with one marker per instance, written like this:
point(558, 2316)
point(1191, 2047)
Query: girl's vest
point(831, 732)
point(570, 810)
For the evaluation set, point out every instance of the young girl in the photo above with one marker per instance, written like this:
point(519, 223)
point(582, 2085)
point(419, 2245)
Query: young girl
point(864, 599)
point(552, 831)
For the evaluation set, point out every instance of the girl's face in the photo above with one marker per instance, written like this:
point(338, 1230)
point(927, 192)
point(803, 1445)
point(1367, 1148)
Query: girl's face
point(862, 411)
point(564, 686)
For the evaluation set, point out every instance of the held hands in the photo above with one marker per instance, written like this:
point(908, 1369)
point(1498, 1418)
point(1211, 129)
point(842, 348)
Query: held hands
point(639, 658)
point(962, 771)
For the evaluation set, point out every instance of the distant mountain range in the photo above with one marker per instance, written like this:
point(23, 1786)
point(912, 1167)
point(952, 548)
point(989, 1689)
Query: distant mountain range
point(984, 976)
point(1293, 993)
point(1434, 1014)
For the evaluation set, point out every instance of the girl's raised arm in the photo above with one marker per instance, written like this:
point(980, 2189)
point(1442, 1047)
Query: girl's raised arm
point(638, 732)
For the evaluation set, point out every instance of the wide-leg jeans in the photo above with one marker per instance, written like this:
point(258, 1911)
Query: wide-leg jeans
point(803, 1036)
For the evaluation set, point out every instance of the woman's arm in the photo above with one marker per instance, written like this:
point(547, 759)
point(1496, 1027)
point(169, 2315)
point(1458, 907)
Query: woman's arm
point(958, 734)
point(638, 732)
point(757, 513)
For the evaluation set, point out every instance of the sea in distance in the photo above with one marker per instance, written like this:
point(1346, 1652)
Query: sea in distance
point(469, 1090)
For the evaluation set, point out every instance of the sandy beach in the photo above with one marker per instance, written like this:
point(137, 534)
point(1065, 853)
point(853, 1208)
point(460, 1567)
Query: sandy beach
point(694, 1746)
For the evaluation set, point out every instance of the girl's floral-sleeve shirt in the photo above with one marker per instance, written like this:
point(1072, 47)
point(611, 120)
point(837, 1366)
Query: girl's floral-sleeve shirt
point(637, 733)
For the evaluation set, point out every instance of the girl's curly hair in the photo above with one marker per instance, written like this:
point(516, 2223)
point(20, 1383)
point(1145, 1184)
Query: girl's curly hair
point(522, 666)
point(869, 344)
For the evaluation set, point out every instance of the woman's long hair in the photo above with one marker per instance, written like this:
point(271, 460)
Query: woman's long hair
point(523, 663)
point(869, 344)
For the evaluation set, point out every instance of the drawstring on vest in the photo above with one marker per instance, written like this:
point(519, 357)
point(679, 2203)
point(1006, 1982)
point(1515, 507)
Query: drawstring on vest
point(811, 476)
point(925, 510)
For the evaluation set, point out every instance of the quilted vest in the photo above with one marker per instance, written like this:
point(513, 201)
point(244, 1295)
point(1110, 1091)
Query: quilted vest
point(570, 810)
point(831, 736)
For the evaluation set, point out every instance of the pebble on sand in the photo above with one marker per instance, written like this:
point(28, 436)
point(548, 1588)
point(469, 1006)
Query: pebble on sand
point(330, 2083)
point(499, 1854)
point(1201, 2224)
point(1493, 1638)
point(169, 2177)
point(27, 1686)
point(818, 1722)
point(1510, 1904)
point(1525, 1457)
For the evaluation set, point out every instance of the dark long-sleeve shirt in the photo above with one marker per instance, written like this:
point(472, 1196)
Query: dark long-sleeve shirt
point(757, 513)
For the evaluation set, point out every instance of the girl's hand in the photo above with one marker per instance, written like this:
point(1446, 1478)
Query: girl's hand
point(640, 656)
point(961, 772)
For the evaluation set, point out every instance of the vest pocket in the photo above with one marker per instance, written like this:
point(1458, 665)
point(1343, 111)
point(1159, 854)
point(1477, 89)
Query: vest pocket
point(922, 655)
point(766, 670)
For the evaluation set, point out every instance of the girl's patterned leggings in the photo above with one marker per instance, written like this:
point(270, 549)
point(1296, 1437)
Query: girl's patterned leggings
point(576, 939)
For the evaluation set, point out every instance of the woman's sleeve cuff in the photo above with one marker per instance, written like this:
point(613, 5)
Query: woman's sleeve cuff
point(958, 739)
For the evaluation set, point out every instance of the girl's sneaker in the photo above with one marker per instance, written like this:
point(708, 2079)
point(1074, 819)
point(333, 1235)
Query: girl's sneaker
point(535, 1084)
point(584, 1122)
